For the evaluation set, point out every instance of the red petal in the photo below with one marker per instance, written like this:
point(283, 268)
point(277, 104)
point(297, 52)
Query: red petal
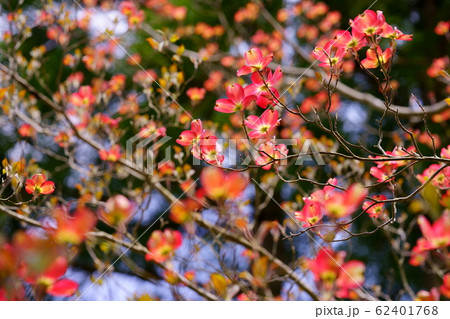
point(265, 61)
point(103, 155)
point(197, 127)
point(84, 220)
point(57, 269)
point(177, 239)
point(235, 184)
point(39, 179)
point(29, 186)
point(425, 227)
point(253, 56)
point(186, 138)
point(212, 180)
point(225, 106)
point(63, 288)
point(253, 122)
point(247, 100)
point(269, 117)
point(369, 64)
point(47, 188)
point(235, 93)
point(244, 70)
point(342, 39)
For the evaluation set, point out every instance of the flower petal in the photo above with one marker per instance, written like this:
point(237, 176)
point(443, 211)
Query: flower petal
point(235, 93)
point(63, 288)
point(186, 138)
point(29, 186)
point(253, 56)
point(57, 269)
point(47, 188)
point(225, 106)
point(244, 70)
point(39, 179)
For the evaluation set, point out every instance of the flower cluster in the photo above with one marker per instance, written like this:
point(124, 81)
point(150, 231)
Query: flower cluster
point(442, 179)
point(135, 17)
point(435, 236)
point(204, 144)
point(367, 29)
point(89, 105)
point(385, 169)
point(167, 9)
point(263, 91)
point(375, 209)
point(335, 277)
point(331, 202)
point(264, 81)
point(36, 260)
point(162, 245)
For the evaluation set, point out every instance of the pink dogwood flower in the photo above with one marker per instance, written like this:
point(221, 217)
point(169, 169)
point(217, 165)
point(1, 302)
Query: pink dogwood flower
point(374, 58)
point(262, 126)
point(269, 152)
point(369, 22)
point(350, 41)
point(262, 83)
point(192, 136)
point(255, 61)
point(394, 33)
point(237, 100)
point(329, 55)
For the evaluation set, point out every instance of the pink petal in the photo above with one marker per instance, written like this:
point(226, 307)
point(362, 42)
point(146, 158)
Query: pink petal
point(247, 100)
point(270, 117)
point(235, 93)
point(253, 56)
point(186, 138)
point(39, 179)
point(252, 122)
point(197, 127)
point(225, 106)
point(266, 61)
point(47, 188)
point(63, 288)
point(29, 186)
point(244, 70)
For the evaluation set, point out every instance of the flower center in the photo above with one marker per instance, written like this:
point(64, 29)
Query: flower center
point(370, 30)
point(334, 60)
point(264, 129)
point(353, 43)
